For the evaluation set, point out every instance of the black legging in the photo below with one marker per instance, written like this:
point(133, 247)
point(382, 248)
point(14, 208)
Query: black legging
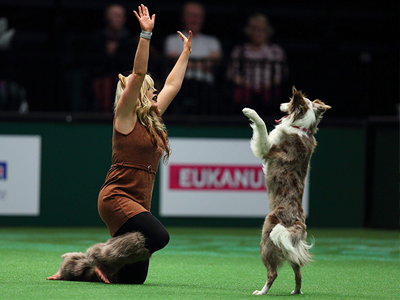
point(156, 237)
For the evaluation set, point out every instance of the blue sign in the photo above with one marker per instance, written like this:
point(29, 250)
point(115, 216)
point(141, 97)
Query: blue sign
point(3, 170)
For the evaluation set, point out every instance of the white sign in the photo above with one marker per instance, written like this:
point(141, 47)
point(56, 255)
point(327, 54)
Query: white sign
point(214, 178)
point(20, 159)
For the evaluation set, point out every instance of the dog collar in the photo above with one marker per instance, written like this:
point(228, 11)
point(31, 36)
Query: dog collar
point(302, 128)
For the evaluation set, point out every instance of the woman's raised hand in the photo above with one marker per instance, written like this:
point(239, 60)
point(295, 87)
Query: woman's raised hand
point(187, 42)
point(146, 22)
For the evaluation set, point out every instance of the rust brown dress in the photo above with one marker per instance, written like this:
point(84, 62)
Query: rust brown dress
point(129, 184)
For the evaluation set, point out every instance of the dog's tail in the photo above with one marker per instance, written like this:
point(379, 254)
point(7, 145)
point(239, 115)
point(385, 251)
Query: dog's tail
point(292, 242)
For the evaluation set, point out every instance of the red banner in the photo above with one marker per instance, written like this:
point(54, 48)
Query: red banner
point(216, 177)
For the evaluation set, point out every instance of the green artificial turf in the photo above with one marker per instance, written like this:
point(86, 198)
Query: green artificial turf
point(205, 263)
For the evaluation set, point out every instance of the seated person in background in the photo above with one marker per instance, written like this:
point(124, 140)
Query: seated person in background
point(257, 68)
point(12, 95)
point(111, 51)
point(207, 52)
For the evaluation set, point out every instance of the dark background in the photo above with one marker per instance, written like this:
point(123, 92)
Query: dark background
point(342, 52)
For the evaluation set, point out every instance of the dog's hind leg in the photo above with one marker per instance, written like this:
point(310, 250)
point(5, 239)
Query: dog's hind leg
point(272, 274)
point(259, 144)
point(298, 278)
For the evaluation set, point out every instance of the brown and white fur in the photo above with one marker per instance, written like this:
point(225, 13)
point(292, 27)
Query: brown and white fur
point(286, 152)
point(102, 261)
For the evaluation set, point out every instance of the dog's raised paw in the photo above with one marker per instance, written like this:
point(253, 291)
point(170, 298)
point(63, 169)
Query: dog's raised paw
point(248, 112)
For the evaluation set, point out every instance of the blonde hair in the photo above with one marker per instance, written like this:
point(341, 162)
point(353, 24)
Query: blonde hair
point(149, 118)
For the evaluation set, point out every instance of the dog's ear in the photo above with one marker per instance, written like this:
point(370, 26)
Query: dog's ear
point(321, 106)
point(297, 95)
point(298, 104)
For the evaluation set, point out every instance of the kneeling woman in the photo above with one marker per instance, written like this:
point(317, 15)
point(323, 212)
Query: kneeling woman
point(139, 141)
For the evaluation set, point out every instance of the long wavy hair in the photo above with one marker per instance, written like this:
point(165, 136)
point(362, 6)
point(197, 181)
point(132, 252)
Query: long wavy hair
point(149, 118)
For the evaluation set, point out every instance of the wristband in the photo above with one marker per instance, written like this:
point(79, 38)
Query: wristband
point(146, 35)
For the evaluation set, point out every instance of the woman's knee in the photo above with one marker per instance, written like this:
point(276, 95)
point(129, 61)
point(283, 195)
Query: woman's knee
point(156, 235)
point(134, 279)
point(135, 273)
point(157, 240)
point(164, 239)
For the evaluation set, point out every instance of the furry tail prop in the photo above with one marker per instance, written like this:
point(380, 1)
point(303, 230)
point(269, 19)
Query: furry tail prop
point(76, 267)
point(109, 257)
point(292, 243)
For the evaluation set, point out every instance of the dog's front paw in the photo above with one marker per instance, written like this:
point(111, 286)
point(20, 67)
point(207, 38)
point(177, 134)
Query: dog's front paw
point(250, 113)
point(258, 293)
point(297, 292)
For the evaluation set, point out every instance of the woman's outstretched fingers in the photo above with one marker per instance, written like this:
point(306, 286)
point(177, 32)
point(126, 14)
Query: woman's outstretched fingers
point(182, 36)
point(187, 41)
point(142, 15)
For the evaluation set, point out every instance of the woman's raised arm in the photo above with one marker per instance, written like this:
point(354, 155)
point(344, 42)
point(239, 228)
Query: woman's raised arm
point(174, 80)
point(125, 118)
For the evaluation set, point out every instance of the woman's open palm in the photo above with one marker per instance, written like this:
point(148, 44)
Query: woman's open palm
point(146, 22)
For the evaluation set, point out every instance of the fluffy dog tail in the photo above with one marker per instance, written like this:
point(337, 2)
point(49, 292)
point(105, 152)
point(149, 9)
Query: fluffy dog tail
point(292, 243)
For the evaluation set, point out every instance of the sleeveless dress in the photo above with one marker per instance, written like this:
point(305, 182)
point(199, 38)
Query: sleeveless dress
point(128, 187)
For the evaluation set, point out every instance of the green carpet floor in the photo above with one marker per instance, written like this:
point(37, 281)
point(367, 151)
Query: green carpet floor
point(205, 263)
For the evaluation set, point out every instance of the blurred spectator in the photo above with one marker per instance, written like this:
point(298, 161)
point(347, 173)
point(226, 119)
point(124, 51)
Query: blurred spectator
point(257, 69)
point(111, 52)
point(6, 34)
point(12, 95)
point(198, 87)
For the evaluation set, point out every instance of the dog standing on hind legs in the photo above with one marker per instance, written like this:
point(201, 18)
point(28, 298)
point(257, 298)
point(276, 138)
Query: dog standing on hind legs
point(286, 154)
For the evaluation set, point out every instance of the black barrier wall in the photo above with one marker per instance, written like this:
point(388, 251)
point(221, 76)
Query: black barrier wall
point(75, 159)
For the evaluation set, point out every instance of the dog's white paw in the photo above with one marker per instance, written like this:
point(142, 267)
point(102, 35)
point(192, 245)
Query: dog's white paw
point(258, 293)
point(247, 111)
point(295, 292)
point(250, 113)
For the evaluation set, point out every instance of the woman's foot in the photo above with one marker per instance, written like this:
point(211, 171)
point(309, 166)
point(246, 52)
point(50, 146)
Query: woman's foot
point(56, 276)
point(100, 275)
